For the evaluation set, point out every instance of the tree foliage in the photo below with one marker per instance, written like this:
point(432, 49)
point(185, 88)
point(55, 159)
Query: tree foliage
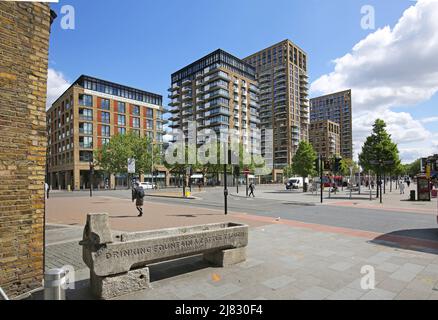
point(303, 163)
point(379, 147)
point(113, 156)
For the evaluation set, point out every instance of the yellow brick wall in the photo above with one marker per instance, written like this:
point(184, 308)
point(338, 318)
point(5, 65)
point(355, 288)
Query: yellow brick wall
point(24, 41)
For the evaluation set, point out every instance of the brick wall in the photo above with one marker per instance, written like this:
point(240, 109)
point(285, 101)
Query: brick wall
point(24, 40)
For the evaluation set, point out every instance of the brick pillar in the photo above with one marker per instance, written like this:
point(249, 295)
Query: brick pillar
point(77, 179)
point(24, 44)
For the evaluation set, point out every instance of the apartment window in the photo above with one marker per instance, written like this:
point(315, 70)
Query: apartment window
point(122, 130)
point(105, 104)
point(136, 122)
point(136, 110)
point(105, 131)
point(85, 128)
point(121, 107)
point(149, 113)
point(85, 156)
point(86, 142)
point(159, 137)
point(149, 124)
point(121, 120)
point(105, 141)
point(136, 132)
point(85, 100)
point(150, 135)
point(159, 126)
point(105, 117)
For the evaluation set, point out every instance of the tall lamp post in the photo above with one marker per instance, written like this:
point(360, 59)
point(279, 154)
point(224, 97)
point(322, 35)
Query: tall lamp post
point(380, 163)
point(91, 177)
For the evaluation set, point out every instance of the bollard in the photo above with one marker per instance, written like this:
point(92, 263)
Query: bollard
point(54, 284)
point(3, 294)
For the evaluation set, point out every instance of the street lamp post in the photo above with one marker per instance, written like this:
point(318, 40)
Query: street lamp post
point(91, 178)
point(320, 178)
point(380, 163)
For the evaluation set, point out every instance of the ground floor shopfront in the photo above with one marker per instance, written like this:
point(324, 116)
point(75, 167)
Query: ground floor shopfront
point(80, 178)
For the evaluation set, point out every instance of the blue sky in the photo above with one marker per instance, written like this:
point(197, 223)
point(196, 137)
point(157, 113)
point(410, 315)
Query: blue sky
point(140, 43)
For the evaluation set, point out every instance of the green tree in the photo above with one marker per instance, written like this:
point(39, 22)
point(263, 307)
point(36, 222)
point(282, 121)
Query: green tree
point(288, 171)
point(303, 162)
point(379, 147)
point(113, 156)
point(345, 165)
point(414, 168)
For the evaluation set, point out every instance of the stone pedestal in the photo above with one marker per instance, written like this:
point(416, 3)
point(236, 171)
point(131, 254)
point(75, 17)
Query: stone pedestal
point(225, 258)
point(121, 284)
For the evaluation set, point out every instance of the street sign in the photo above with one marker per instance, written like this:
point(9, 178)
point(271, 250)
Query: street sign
point(428, 171)
point(131, 165)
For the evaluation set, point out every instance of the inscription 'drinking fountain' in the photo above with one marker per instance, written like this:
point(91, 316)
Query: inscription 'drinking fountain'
point(106, 254)
point(174, 246)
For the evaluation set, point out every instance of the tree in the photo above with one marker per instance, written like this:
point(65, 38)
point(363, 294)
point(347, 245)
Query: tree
point(379, 147)
point(345, 165)
point(303, 162)
point(414, 168)
point(288, 171)
point(113, 156)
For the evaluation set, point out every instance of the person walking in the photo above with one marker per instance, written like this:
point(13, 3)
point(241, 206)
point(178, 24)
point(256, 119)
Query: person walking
point(401, 187)
point(138, 196)
point(251, 189)
point(408, 182)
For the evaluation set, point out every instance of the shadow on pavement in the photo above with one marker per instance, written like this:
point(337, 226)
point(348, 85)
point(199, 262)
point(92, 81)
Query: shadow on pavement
point(170, 269)
point(422, 240)
point(194, 215)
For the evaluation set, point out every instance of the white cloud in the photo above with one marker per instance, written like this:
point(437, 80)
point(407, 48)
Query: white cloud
point(389, 68)
point(429, 120)
point(56, 85)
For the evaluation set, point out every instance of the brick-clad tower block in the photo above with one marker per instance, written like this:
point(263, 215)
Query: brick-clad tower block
point(24, 42)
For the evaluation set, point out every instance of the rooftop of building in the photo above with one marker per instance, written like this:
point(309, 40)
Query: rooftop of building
point(274, 45)
point(109, 87)
point(338, 93)
point(217, 56)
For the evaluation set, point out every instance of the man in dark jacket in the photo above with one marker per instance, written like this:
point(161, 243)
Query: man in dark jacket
point(138, 195)
point(251, 189)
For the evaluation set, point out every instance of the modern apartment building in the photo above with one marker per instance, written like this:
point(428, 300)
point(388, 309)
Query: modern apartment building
point(336, 107)
point(324, 135)
point(284, 105)
point(218, 91)
point(85, 117)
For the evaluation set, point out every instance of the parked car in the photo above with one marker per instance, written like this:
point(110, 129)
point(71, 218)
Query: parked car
point(295, 183)
point(147, 185)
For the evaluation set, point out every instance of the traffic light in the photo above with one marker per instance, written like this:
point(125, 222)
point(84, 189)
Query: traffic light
point(317, 165)
point(236, 171)
point(327, 166)
point(337, 165)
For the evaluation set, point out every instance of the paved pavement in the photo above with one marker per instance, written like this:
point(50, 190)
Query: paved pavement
point(288, 262)
point(311, 252)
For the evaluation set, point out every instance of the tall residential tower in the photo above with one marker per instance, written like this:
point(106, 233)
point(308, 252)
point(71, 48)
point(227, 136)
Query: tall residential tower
point(218, 91)
point(336, 107)
point(284, 105)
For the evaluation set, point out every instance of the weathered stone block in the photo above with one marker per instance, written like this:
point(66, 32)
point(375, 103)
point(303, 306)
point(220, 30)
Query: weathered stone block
point(225, 258)
point(121, 284)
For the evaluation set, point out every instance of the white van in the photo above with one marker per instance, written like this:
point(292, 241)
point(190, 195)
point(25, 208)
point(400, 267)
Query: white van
point(296, 183)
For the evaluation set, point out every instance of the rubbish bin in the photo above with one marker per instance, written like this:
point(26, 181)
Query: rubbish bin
point(412, 198)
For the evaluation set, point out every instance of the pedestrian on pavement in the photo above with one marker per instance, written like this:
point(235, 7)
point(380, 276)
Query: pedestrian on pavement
point(47, 189)
point(372, 184)
point(138, 196)
point(251, 189)
point(408, 182)
point(402, 187)
point(199, 185)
